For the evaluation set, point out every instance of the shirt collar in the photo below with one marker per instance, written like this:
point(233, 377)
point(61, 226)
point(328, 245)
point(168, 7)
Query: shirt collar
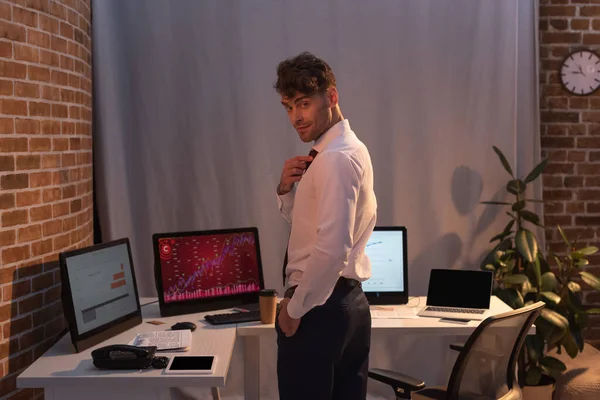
point(333, 132)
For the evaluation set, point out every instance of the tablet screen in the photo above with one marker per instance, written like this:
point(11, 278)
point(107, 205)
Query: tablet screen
point(192, 363)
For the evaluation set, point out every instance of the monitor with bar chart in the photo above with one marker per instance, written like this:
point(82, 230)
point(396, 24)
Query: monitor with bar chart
point(207, 270)
point(99, 289)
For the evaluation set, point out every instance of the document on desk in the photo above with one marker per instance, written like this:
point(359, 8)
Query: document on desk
point(165, 340)
point(391, 312)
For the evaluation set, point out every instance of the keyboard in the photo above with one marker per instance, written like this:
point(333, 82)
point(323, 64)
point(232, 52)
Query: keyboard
point(456, 310)
point(233, 318)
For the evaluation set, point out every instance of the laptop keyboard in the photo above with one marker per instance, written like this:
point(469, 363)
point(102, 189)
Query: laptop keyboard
point(456, 310)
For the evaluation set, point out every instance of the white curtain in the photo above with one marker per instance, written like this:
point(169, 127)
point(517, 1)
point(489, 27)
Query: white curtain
point(189, 133)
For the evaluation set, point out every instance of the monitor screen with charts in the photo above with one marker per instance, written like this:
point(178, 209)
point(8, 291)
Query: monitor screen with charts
point(99, 292)
point(207, 270)
point(386, 250)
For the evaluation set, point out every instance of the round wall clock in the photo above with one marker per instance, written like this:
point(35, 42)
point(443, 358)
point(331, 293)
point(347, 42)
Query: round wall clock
point(580, 72)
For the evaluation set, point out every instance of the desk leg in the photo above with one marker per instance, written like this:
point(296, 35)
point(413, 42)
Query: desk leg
point(216, 395)
point(252, 367)
point(132, 393)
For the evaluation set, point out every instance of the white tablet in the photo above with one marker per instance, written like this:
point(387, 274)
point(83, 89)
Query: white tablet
point(190, 365)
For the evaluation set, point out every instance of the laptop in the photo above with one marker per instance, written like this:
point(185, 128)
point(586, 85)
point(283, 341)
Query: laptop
point(458, 294)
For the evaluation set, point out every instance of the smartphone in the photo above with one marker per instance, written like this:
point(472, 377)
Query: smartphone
point(191, 365)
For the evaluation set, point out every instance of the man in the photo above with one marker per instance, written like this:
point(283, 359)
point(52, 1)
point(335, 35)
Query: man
point(324, 322)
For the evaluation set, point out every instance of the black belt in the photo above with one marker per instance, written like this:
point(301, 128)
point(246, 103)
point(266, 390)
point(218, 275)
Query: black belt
point(343, 282)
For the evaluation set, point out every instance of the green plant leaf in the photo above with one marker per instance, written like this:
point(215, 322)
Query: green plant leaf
point(588, 251)
point(544, 266)
point(519, 205)
point(499, 236)
point(526, 244)
point(564, 236)
point(535, 346)
point(536, 171)
point(528, 288)
point(549, 282)
point(517, 279)
point(593, 311)
point(490, 267)
point(575, 255)
point(577, 335)
point(574, 287)
point(533, 376)
point(581, 263)
point(555, 318)
point(580, 320)
point(573, 302)
point(548, 331)
point(509, 226)
point(553, 364)
point(569, 344)
point(553, 297)
point(537, 271)
point(530, 216)
point(516, 186)
point(501, 203)
point(504, 161)
point(590, 279)
point(558, 262)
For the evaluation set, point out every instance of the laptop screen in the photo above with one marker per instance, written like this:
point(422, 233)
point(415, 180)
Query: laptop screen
point(459, 288)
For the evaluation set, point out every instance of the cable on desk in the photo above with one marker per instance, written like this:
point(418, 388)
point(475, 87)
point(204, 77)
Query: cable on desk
point(147, 304)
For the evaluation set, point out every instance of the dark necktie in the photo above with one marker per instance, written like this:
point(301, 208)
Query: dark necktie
point(313, 153)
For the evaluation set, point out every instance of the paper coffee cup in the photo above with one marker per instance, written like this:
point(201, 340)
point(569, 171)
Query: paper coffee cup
point(267, 301)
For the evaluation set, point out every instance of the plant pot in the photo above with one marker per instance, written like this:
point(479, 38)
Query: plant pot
point(541, 391)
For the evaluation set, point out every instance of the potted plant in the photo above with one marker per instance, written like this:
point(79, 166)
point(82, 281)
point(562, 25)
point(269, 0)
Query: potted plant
point(522, 275)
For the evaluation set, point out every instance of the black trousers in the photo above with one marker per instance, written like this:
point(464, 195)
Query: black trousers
point(328, 357)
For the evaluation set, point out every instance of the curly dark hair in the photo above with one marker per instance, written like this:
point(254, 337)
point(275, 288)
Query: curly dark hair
point(304, 73)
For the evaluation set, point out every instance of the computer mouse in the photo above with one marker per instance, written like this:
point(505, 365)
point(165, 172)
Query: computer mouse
point(184, 325)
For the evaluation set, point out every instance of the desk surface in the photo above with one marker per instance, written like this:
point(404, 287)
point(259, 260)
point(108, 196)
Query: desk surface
point(420, 325)
point(61, 366)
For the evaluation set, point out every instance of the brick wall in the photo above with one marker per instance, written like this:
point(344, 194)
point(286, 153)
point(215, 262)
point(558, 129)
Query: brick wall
point(570, 128)
point(45, 170)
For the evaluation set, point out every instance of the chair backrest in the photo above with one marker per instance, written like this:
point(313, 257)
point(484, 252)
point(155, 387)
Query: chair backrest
point(485, 368)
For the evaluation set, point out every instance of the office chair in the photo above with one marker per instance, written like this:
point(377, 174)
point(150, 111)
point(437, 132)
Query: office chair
point(485, 367)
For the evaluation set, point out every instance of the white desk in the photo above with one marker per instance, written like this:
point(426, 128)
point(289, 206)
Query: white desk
point(65, 374)
point(252, 331)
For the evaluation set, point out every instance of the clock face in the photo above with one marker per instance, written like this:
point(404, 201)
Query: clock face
point(580, 72)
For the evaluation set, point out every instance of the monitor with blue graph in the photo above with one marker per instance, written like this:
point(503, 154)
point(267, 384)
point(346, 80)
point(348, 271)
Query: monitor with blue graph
point(387, 252)
point(207, 270)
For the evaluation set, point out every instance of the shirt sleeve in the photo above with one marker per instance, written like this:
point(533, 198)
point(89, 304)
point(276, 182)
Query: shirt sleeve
point(286, 204)
point(337, 186)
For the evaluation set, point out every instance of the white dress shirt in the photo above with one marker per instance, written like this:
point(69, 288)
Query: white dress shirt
point(332, 212)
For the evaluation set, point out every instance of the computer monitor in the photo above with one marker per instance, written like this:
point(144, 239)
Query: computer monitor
point(387, 250)
point(207, 270)
point(99, 292)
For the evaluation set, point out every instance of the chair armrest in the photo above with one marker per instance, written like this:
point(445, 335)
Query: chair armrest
point(457, 346)
point(395, 379)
